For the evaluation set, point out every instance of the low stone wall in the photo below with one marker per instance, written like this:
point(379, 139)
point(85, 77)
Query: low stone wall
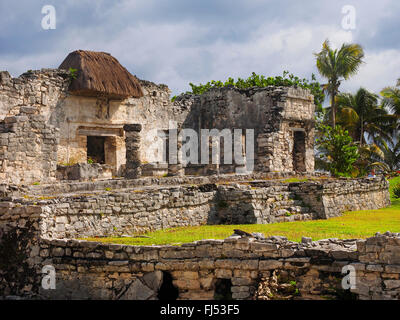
point(138, 210)
point(84, 172)
point(31, 228)
point(63, 187)
point(128, 212)
point(247, 267)
point(19, 244)
point(332, 198)
point(259, 203)
point(237, 267)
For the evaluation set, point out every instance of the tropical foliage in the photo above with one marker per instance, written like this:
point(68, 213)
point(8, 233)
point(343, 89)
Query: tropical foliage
point(387, 154)
point(255, 80)
point(371, 120)
point(362, 115)
point(338, 152)
point(338, 65)
point(391, 99)
point(396, 191)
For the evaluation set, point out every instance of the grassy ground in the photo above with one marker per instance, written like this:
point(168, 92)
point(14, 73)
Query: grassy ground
point(360, 224)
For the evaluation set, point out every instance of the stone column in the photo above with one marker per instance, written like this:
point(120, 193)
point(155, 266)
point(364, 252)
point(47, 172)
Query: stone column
point(132, 143)
point(240, 165)
point(176, 169)
point(213, 168)
point(265, 152)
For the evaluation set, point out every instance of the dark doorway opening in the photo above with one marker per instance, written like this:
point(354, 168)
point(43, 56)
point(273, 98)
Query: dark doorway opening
point(167, 292)
point(223, 289)
point(95, 149)
point(299, 151)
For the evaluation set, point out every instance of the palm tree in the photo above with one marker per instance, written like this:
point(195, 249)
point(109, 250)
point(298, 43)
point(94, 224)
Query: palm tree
point(336, 66)
point(386, 154)
point(391, 99)
point(360, 113)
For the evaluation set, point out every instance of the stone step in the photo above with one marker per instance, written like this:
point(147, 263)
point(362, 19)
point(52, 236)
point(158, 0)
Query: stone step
point(287, 203)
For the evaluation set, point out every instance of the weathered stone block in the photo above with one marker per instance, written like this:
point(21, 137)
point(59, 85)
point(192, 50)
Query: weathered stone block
point(270, 264)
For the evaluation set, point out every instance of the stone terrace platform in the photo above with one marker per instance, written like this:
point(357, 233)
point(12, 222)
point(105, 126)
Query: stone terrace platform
point(38, 223)
point(116, 207)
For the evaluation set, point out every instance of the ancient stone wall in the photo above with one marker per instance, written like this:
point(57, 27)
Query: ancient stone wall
point(84, 172)
point(28, 148)
point(249, 267)
point(120, 213)
point(40, 88)
point(80, 117)
point(237, 267)
point(241, 204)
point(138, 210)
point(19, 237)
point(274, 113)
point(332, 198)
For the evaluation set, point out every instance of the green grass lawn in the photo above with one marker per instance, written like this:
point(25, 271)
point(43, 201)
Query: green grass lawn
point(360, 224)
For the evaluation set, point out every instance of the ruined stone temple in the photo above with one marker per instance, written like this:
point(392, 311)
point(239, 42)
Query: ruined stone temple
point(52, 123)
point(83, 153)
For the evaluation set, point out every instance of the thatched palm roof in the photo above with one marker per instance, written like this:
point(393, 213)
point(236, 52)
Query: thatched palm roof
point(99, 73)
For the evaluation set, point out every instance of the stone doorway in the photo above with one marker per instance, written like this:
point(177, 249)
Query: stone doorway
point(95, 149)
point(299, 151)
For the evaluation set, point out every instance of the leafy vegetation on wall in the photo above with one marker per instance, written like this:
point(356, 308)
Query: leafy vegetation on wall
point(255, 80)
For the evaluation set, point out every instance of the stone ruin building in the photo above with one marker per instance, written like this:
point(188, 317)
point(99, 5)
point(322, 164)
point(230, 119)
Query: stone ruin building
point(83, 153)
point(52, 123)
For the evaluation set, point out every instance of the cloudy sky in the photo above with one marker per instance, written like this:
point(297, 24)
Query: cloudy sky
point(180, 41)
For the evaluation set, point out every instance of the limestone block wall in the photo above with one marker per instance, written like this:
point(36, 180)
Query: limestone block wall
point(75, 116)
point(138, 210)
point(126, 212)
point(84, 172)
point(261, 204)
point(299, 105)
point(39, 88)
point(19, 247)
point(28, 149)
point(273, 113)
point(78, 117)
point(251, 268)
point(332, 198)
point(249, 265)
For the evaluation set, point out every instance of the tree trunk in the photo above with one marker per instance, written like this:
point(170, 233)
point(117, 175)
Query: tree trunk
point(333, 109)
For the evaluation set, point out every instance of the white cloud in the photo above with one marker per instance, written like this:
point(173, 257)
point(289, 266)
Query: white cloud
point(179, 51)
point(381, 69)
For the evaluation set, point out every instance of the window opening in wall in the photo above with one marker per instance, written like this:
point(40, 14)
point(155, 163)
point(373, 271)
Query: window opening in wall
point(223, 289)
point(167, 290)
point(95, 149)
point(299, 151)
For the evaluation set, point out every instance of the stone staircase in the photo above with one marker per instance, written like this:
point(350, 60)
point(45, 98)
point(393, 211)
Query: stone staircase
point(289, 208)
point(263, 206)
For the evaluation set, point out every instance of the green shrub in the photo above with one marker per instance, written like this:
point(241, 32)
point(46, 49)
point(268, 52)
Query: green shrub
point(73, 73)
point(396, 191)
point(255, 80)
point(337, 151)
